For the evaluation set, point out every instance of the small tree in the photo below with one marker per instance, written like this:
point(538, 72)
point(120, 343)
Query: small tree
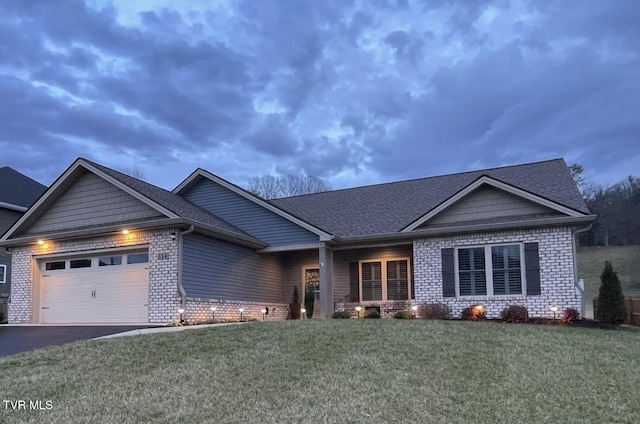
point(611, 306)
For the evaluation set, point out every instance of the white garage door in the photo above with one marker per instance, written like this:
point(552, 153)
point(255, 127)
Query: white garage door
point(107, 288)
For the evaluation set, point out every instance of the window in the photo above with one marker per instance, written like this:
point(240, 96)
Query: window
point(312, 281)
point(80, 263)
point(385, 280)
point(3, 274)
point(110, 260)
point(490, 270)
point(52, 266)
point(137, 258)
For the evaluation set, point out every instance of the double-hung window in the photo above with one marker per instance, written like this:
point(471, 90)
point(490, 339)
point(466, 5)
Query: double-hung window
point(490, 270)
point(385, 280)
point(3, 274)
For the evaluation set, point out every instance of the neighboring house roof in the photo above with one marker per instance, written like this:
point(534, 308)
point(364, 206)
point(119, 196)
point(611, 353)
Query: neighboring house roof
point(392, 207)
point(17, 191)
point(170, 205)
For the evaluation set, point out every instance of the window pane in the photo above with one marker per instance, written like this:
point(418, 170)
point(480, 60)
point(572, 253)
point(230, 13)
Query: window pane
point(397, 280)
point(472, 276)
point(80, 263)
point(52, 266)
point(371, 281)
point(110, 260)
point(507, 277)
point(3, 274)
point(137, 258)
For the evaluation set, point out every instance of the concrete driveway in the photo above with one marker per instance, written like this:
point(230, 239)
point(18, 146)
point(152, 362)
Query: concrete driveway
point(17, 339)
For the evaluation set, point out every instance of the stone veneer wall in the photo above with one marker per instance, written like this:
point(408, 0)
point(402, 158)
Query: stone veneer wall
point(164, 299)
point(199, 309)
point(556, 271)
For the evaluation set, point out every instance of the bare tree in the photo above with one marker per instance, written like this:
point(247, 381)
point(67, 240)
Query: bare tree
point(270, 187)
point(134, 172)
point(577, 171)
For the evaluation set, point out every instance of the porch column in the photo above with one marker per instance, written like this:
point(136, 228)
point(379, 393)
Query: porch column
point(326, 281)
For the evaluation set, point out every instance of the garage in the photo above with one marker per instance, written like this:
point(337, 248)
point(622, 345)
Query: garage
point(111, 287)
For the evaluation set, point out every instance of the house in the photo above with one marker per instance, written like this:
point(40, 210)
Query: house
point(101, 246)
point(17, 193)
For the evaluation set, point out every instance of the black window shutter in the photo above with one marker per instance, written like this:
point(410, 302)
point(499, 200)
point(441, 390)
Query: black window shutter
point(532, 267)
point(354, 282)
point(448, 273)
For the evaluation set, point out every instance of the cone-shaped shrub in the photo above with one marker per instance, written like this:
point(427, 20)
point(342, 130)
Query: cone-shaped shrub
point(612, 308)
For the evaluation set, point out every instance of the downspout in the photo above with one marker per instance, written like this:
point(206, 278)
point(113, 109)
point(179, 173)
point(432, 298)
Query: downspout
point(574, 242)
point(183, 293)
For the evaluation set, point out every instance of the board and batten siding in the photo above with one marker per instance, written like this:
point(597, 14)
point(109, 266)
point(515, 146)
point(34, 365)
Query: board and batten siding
point(247, 215)
point(485, 203)
point(91, 201)
point(215, 269)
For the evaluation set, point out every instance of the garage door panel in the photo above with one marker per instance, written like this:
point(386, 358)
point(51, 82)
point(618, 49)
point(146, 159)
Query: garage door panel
point(95, 295)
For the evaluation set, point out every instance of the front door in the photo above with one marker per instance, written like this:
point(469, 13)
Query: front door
point(312, 285)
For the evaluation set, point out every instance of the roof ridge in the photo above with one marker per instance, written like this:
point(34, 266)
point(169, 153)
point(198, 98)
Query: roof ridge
point(419, 179)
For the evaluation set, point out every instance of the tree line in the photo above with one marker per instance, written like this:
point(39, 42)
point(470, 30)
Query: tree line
point(618, 210)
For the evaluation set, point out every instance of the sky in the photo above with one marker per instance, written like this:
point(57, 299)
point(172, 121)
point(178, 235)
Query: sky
point(352, 91)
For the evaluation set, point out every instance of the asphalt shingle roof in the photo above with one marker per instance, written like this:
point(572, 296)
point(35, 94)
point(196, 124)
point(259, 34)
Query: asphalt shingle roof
point(176, 204)
point(18, 189)
point(387, 208)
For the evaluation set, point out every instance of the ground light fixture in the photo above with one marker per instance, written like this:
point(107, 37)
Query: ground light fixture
point(264, 314)
point(213, 312)
point(181, 312)
point(241, 312)
point(553, 309)
point(303, 311)
point(358, 309)
point(414, 308)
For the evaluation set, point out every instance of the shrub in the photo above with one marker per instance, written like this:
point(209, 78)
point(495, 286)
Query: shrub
point(341, 315)
point(309, 301)
point(371, 313)
point(570, 315)
point(474, 313)
point(435, 311)
point(403, 315)
point(515, 313)
point(611, 306)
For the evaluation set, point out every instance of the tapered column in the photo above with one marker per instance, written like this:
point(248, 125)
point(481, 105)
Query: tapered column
point(326, 281)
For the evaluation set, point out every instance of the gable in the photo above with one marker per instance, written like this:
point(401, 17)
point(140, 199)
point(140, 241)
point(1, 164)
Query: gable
point(487, 203)
point(90, 201)
point(247, 215)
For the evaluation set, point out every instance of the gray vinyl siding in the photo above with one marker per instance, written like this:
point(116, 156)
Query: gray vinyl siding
point(342, 258)
point(91, 201)
point(486, 203)
point(5, 259)
point(215, 269)
point(245, 214)
point(7, 219)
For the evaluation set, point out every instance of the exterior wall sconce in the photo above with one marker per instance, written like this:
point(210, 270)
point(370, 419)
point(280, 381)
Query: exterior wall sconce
point(358, 309)
point(125, 232)
point(41, 242)
point(554, 309)
point(241, 312)
point(213, 312)
point(181, 312)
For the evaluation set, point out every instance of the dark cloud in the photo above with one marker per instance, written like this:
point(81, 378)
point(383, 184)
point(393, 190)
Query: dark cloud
point(388, 89)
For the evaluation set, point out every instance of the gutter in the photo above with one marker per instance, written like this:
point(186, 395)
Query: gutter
point(13, 207)
point(574, 242)
point(183, 293)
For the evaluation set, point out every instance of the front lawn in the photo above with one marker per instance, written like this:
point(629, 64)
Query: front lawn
point(339, 371)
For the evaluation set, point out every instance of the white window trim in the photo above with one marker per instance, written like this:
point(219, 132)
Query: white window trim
point(488, 266)
point(3, 280)
point(383, 264)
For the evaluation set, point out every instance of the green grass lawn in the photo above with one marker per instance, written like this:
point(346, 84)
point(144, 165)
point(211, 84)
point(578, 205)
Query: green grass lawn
point(338, 371)
point(625, 260)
